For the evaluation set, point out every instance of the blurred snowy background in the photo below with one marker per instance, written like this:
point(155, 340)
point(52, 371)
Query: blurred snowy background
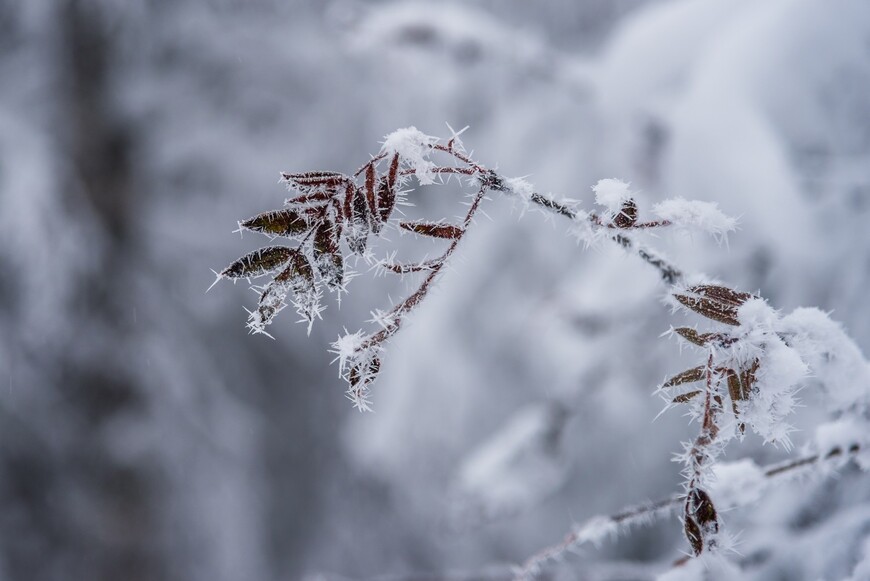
point(144, 435)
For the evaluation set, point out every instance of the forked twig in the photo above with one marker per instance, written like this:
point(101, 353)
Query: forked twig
point(599, 528)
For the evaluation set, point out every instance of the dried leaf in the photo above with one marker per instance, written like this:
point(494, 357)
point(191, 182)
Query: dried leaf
point(735, 391)
point(296, 278)
point(327, 254)
point(372, 200)
point(270, 304)
point(687, 376)
point(359, 378)
point(359, 223)
point(347, 203)
point(685, 397)
point(627, 216)
point(315, 197)
point(703, 509)
point(299, 269)
point(316, 180)
point(326, 238)
point(364, 373)
point(387, 190)
point(735, 387)
point(259, 262)
point(721, 294)
point(691, 335)
point(693, 535)
point(702, 339)
point(701, 519)
point(287, 223)
point(435, 230)
point(711, 309)
point(715, 302)
point(360, 208)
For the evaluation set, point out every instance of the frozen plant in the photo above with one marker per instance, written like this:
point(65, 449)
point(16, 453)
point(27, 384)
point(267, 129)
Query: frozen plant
point(753, 360)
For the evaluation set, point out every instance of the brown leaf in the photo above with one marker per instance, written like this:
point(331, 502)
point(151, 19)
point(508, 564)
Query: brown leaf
point(711, 309)
point(691, 335)
point(372, 200)
point(364, 373)
point(347, 202)
point(296, 278)
point(359, 222)
point(701, 519)
point(693, 535)
point(735, 391)
point(685, 397)
point(299, 269)
point(687, 376)
point(326, 237)
point(287, 223)
point(393, 174)
point(702, 339)
point(703, 509)
point(316, 180)
point(627, 216)
point(314, 197)
point(435, 230)
point(259, 262)
point(721, 294)
point(327, 253)
point(270, 304)
point(715, 302)
point(387, 190)
point(359, 209)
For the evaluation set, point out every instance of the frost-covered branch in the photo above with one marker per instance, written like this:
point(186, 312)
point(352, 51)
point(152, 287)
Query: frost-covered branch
point(754, 359)
point(738, 484)
point(591, 226)
point(332, 211)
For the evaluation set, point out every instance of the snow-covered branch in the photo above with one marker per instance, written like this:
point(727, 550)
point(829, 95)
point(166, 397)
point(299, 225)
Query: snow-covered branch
point(754, 360)
point(737, 484)
point(332, 210)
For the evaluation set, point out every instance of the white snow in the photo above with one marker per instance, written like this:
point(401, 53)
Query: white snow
point(834, 358)
point(414, 148)
point(704, 216)
point(612, 193)
point(520, 187)
point(346, 348)
point(737, 483)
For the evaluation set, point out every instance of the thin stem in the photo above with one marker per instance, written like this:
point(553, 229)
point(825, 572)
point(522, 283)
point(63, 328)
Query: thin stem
point(670, 273)
point(598, 528)
point(395, 316)
point(553, 205)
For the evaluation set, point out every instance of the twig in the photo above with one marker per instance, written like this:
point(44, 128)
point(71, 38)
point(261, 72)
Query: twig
point(395, 316)
point(670, 273)
point(598, 528)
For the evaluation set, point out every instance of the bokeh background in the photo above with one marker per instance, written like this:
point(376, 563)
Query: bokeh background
point(144, 435)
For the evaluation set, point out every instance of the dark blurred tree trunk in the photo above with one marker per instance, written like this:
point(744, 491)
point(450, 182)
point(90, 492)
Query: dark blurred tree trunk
point(98, 141)
point(99, 145)
point(89, 514)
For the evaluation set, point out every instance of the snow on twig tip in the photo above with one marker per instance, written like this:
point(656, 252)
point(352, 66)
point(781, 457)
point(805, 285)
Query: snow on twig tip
point(612, 193)
point(695, 214)
point(414, 148)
